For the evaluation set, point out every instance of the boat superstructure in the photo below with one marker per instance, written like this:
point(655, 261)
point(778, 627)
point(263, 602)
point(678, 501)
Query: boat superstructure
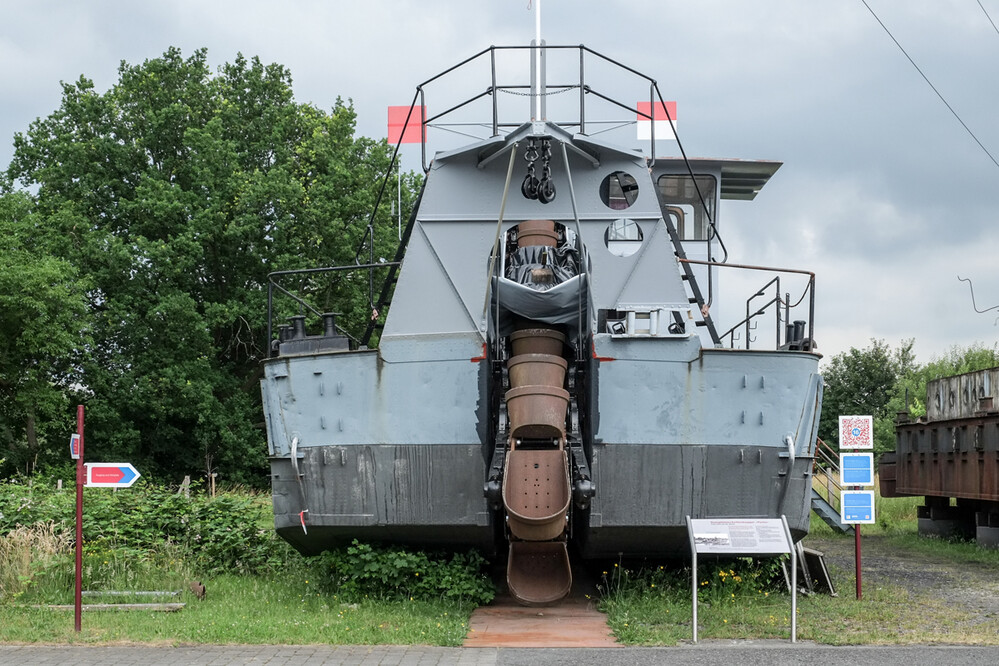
point(549, 371)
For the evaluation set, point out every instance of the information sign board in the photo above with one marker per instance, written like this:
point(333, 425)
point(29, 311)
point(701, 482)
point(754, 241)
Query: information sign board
point(739, 536)
point(856, 469)
point(857, 507)
point(856, 432)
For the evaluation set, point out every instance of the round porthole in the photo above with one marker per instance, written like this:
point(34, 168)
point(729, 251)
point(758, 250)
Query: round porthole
point(618, 190)
point(623, 237)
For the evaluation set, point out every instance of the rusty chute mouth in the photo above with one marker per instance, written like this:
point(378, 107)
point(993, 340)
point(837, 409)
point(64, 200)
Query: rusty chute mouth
point(538, 572)
point(536, 493)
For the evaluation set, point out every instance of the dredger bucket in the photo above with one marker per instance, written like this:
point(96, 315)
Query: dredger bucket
point(538, 572)
point(536, 493)
point(537, 412)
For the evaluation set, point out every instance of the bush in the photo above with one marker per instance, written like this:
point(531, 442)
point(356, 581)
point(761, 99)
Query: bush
point(218, 534)
point(392, 572)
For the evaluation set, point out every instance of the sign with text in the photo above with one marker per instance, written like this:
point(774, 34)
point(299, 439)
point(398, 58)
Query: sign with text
point(74, 446)
point(856, 469)
point(857, 507)
point(111, 475)
point(739, 536)
point(856, 432)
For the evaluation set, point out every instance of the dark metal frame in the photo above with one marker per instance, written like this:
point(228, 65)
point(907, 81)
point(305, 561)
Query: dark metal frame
point(272, 284)
point(786, 301)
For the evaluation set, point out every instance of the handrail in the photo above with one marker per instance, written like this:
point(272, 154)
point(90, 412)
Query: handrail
point(273, 284)
point(809, 290)
point(829, 459)
point(538, 89)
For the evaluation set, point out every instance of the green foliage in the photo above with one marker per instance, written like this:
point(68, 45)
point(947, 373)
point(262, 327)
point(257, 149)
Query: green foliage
point(883, 382)
point(43, 338)
point(162, 204)
point(219, 534)
point(281, 608)
point(27, 553)
point(860, 382)
point(259, 590)
point(652, 604)
point(720, 580)
point(392, 572)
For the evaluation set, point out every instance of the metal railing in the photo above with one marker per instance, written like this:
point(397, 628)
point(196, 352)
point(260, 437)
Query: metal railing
point(273, 284)
point(782, 308)
point(537, 89)
point(825, 474)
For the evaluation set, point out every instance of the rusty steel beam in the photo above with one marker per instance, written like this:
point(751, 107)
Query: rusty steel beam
point(949, 458)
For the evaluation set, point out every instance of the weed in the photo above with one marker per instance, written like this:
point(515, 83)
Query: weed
point(28, 552)
point(391, 572)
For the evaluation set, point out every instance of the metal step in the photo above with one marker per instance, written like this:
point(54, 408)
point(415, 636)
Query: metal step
point(828, 514)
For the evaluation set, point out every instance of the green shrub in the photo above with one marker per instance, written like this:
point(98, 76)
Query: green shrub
point(218, 534)
point(393, 572)
point(223, 535)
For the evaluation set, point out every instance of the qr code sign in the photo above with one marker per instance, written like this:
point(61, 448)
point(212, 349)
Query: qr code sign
point(855, 432)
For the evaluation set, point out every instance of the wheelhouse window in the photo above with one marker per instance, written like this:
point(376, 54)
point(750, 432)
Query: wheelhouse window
point(681, 200)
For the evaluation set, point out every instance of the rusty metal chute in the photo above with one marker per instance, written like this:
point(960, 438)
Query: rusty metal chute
point(536, 493)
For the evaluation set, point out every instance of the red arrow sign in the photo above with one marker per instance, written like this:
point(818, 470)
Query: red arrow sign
point(111, 475)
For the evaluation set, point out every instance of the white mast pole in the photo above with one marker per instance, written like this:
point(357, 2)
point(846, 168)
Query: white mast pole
point(537, 59)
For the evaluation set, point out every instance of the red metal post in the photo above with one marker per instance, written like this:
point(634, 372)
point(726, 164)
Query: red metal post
point(80, 478)
point(856, 540)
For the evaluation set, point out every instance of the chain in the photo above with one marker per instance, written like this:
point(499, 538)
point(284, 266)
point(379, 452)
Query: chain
point(545, 94)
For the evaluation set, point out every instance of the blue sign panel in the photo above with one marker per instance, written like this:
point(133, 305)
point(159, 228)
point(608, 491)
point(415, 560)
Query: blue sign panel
point(856, 469)
point(857, 507)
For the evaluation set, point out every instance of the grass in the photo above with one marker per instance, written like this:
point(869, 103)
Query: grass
point(644, 613)
point(285, 597)
point(740, 599)
point(644, 608)
point(253, 610)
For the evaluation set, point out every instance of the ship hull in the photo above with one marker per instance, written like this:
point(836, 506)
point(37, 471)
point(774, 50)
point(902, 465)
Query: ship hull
point(723, 433)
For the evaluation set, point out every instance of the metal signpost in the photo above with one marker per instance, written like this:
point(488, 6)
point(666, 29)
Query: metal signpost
point(93, 475)
point(766, 537)
point(76, 451)
point(856, 469)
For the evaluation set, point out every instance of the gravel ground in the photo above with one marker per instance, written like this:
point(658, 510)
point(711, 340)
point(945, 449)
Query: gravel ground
point(967, 585)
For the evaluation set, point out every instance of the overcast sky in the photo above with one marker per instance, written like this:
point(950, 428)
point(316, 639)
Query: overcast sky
point(883, 193)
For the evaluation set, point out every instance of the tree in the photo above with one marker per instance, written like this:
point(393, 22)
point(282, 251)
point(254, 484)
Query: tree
point(863, 381)
point(174, 194)
point(43, 336)
point(882, 382)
